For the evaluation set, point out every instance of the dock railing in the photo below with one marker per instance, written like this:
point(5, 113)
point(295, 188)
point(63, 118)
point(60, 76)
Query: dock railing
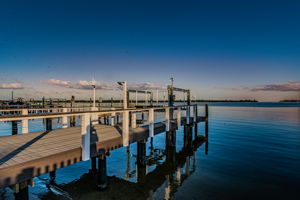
point(88, 118)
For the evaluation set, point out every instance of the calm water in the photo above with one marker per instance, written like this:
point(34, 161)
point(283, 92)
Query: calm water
point(253, 152)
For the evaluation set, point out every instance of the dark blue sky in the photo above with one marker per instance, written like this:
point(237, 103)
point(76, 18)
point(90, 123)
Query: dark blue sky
point(206, 45)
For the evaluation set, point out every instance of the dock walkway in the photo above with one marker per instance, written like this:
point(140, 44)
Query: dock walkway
point(28, 155)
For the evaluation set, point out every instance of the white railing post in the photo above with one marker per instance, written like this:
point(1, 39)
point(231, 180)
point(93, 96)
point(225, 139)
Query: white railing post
point(167, 116)
point(94, 116)
point(85, 136)
point(113, 119)
point(24, 122)
point(178, 116)
point(151, 122)
point(125, 128)
point(188, 115)
point(65, 118)
point(133, 120)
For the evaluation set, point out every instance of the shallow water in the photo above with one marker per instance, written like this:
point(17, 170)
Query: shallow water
point(253, 152)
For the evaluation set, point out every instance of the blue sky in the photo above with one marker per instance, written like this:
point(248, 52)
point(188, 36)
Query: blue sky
point(219, 49)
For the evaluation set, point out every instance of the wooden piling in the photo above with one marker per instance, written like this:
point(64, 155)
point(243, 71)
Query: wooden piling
point(206, 111)
point(14, 127)
point(140, 160)
point(102, 180)
point(48, 124)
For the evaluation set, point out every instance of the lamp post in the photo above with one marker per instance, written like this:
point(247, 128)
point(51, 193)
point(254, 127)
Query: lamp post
point(94, 92)
point(124, 84)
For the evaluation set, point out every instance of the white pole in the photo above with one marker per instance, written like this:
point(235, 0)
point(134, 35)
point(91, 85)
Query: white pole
point(151, 122)
point(124, 95)
point(157, 97)
point(178, 117)
point(167, 116)
point(133, 120)
point(24, 122)
point(136, 97)
point(65, 119)
point(94, 98)
point(146, 98)
point(85, 136)
point(125, 128)
point(113, 119)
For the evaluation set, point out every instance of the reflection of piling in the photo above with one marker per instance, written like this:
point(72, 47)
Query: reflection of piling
point(52, 176)
point(140, 160)
point(102, 180)
point(21, 191)
point(127, 162)
point(171, 138)
point(14, 127)
point(206, 135)
point(196, 130)
point(188, 137)
point(48, 124)
point(141, 153)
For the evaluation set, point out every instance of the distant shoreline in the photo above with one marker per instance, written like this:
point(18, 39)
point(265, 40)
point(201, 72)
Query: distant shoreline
point(290, 101)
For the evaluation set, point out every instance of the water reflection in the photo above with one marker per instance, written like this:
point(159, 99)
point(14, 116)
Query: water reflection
point(163, 181)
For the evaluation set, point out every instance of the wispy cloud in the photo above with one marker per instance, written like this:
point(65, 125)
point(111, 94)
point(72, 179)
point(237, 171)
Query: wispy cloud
point(291, 86)
point(87, 85)
point(84, 85)
point(15, 85)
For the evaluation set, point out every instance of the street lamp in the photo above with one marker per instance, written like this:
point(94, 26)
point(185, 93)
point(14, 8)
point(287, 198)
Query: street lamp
point(94, 91)
point(124, 84)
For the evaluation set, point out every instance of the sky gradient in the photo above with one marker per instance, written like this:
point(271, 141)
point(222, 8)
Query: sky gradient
point(218, 49)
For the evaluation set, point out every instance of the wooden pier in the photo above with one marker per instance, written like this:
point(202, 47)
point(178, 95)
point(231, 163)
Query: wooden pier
point(30, 154)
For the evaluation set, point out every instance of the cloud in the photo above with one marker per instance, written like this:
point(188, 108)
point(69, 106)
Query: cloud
point(291, 86)
point(146, 86)
point(87, 85)
point(84, 85)
point(15, 85)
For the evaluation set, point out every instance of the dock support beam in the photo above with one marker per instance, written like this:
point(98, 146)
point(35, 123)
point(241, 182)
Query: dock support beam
point(94, 116)
point(206, 112)
point(102, 180)
point(133, 120)
point(188, 137)
point(167, 116)
point(85, 136)
point(113, 119)
point(65, 119)
point(52, 176)
point(24, 122)
point(151, 123)
point(170, 138)
point(195, 113)
point(14, 127)
point(178, 117)
point(21, 191)
point(48, 124)
point(93, 165)
point(188, 115)
point(125, 128)
point(72, 121)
